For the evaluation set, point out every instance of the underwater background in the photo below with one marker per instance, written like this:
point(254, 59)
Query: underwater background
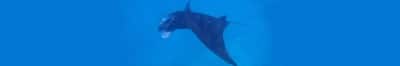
point(261, 33)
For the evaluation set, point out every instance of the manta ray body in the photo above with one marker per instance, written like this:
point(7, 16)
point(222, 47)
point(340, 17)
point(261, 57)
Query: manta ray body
point(208, 29)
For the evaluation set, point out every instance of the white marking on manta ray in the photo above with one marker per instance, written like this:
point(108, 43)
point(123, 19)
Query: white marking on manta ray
point(165, 34)
point(164, 19)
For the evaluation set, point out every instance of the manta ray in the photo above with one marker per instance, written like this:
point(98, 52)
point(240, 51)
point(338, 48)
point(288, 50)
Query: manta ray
point(208, 29)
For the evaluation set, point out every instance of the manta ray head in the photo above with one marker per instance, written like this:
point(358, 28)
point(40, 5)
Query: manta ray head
point(171, 23)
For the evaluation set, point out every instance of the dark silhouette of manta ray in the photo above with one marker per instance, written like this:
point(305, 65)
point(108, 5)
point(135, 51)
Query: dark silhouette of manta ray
point(207, 28)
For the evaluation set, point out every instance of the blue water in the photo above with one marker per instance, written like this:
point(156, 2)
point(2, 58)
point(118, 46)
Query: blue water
point(261, 33)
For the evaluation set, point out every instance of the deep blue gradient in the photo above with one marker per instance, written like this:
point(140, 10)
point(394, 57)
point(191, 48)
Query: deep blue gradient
point(61, 33)
point(261, 33)
point(335, 32)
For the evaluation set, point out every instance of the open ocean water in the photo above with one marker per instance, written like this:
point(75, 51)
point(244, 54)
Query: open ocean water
point(260, 33)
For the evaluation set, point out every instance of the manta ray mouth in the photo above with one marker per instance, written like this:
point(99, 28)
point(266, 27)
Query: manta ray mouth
point(165, 34)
